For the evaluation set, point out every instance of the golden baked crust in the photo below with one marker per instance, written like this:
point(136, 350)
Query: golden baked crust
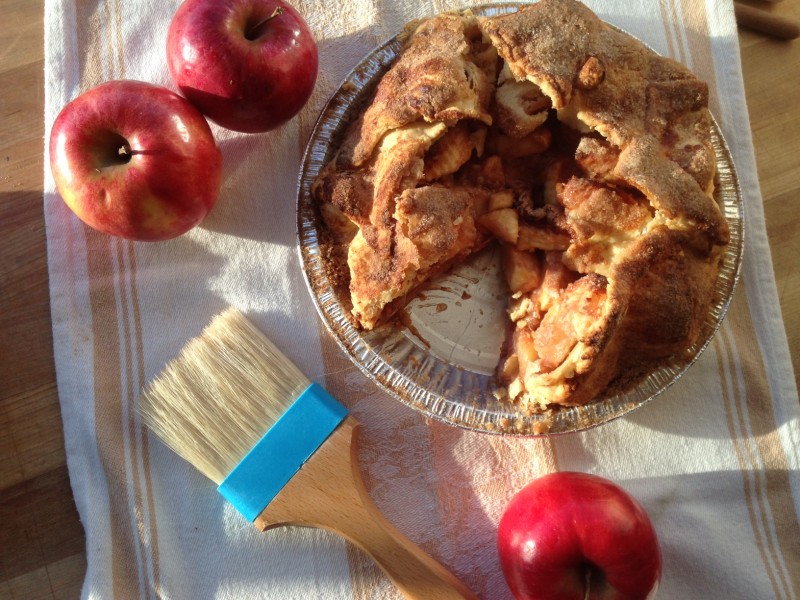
point(423, 124)
point(444, 74)
point(583, 154)
point(609, 81)
point(433, 227)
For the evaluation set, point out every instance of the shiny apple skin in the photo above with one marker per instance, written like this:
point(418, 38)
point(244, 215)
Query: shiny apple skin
point(560, 524)
point(169, 184)
point(247, 85)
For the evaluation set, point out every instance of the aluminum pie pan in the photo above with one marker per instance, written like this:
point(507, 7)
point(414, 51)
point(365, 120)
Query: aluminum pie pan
point(442, 362)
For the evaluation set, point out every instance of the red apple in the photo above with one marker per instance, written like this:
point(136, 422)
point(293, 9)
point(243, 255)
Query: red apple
point(135, 160)
point(249, 65)
point(574, 536)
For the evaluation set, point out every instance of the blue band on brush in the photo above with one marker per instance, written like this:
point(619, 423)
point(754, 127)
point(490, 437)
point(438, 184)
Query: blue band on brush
point(289, 443)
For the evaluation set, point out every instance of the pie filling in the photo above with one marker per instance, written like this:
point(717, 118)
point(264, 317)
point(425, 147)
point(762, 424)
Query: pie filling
point(585, 156)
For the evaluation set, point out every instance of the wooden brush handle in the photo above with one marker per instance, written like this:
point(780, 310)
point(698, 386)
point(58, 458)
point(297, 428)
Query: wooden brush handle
point(328, 492)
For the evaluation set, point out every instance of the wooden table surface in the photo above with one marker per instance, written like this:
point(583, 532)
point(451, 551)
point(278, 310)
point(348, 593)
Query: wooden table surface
point(41, 539)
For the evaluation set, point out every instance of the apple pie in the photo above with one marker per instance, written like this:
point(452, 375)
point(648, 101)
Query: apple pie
point(583, 155)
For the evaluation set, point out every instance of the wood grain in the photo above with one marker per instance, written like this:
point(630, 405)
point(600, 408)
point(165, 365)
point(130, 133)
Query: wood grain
point(41, 539)
point(42, 552)
point(772, 85)
point(328, 492)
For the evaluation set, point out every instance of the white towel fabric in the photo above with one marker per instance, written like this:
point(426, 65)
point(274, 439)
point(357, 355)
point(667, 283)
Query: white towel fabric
point(714, 460)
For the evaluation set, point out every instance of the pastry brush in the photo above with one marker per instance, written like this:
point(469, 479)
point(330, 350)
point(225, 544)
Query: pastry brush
point(280, 448)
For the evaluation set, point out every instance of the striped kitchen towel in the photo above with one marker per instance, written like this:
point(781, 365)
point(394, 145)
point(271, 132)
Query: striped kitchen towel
point(715, 459)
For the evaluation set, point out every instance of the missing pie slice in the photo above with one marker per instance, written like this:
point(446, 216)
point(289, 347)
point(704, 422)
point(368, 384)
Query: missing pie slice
point(585, 156)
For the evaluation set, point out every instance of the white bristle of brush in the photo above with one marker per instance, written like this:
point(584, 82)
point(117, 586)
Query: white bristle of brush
point(221, 394)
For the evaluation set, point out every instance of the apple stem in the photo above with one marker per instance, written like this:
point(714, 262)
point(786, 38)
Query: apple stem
point(252, 32)
point(125, 152)
point(588, 584)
